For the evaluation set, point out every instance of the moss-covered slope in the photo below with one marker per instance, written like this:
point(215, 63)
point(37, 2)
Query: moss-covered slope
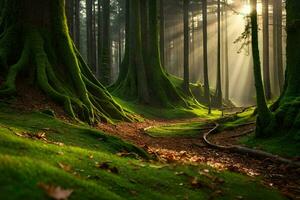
point(36, 148)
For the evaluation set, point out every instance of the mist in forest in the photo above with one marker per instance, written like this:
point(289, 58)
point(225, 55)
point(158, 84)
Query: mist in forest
point(233, 21)
point(241, 82)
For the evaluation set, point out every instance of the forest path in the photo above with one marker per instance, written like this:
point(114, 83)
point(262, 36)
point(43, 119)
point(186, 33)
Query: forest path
point(193, 150)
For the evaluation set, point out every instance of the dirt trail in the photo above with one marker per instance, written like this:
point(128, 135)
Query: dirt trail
point(194, 150)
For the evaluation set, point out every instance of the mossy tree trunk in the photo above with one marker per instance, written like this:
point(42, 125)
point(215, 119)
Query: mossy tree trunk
point(264, 114)
point(147, 83)
point(105, 58)
point(34, 39)
point(287, 109)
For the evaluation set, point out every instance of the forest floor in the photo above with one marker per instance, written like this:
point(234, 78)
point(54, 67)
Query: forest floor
point(43, 156)
point(192, 149)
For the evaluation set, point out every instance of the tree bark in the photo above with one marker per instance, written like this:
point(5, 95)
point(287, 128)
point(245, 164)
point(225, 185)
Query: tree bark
point(277, 42)
point(145, 83)
point(218, 94)
point(186, 62)
point(205, 56)
point(264, 114)
point(226, 65)
point(70, 16)
point(266, 53)
point(44, 46)
point(162, 31)
point(105, 59)
point(89, 33)
point(77, 24)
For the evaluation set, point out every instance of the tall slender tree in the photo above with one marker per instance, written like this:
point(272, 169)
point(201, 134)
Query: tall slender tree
point(77, 23)
point(89, 33)
point(205, 55)
point(266, 47)
point(226, 64)
point(277, 42)
point(218, 94)
point(186, 62)
point(264, 114)
point(162, 30)
point(105, 59)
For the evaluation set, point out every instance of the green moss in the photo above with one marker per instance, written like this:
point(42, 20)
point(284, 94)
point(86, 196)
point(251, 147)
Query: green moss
point(25, 162)
point(46, 52)
point(242, 118)
point(168, 112)
point(279, 144)
point(191, 129)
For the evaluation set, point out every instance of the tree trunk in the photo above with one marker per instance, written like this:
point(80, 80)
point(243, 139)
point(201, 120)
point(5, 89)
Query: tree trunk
point(100, 33)
point(145, 30)
point(94, 43)
point(218, 94)
point(186, 62)
point(105, 63)
point(266, 46)
point(205, 56)
point(286, 115)
point(44, 46)
point(277, 42)
point(279, 47)
point(226, 65)
point(89, 33)
point(146, 84)
point(77, 24)
point(293, 44)
point(70, 16)
point(264, 114)
point(162, 31)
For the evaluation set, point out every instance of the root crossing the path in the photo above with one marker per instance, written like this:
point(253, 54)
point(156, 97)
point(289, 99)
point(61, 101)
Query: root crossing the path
point(195, 150)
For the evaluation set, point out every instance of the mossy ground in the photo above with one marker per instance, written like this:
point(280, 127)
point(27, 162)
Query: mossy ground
point(242, 118)
point(25, 162)
point(168, 113)
point(191, 129)
point(279, 144)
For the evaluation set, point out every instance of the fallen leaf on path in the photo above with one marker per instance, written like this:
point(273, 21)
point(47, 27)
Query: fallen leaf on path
point(41, 135)
point(56, 192)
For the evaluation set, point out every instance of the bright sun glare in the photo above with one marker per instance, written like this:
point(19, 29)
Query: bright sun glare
point(246, 9)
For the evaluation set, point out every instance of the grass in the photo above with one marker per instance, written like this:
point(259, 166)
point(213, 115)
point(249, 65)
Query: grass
point(279, 145)
point(282, 145)
point(168, 113)
point(26, 161)
point(176, 130)
point(241, 118)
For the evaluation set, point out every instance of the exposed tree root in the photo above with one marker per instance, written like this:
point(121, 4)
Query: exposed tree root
point(82, 96)
point(248, 151)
